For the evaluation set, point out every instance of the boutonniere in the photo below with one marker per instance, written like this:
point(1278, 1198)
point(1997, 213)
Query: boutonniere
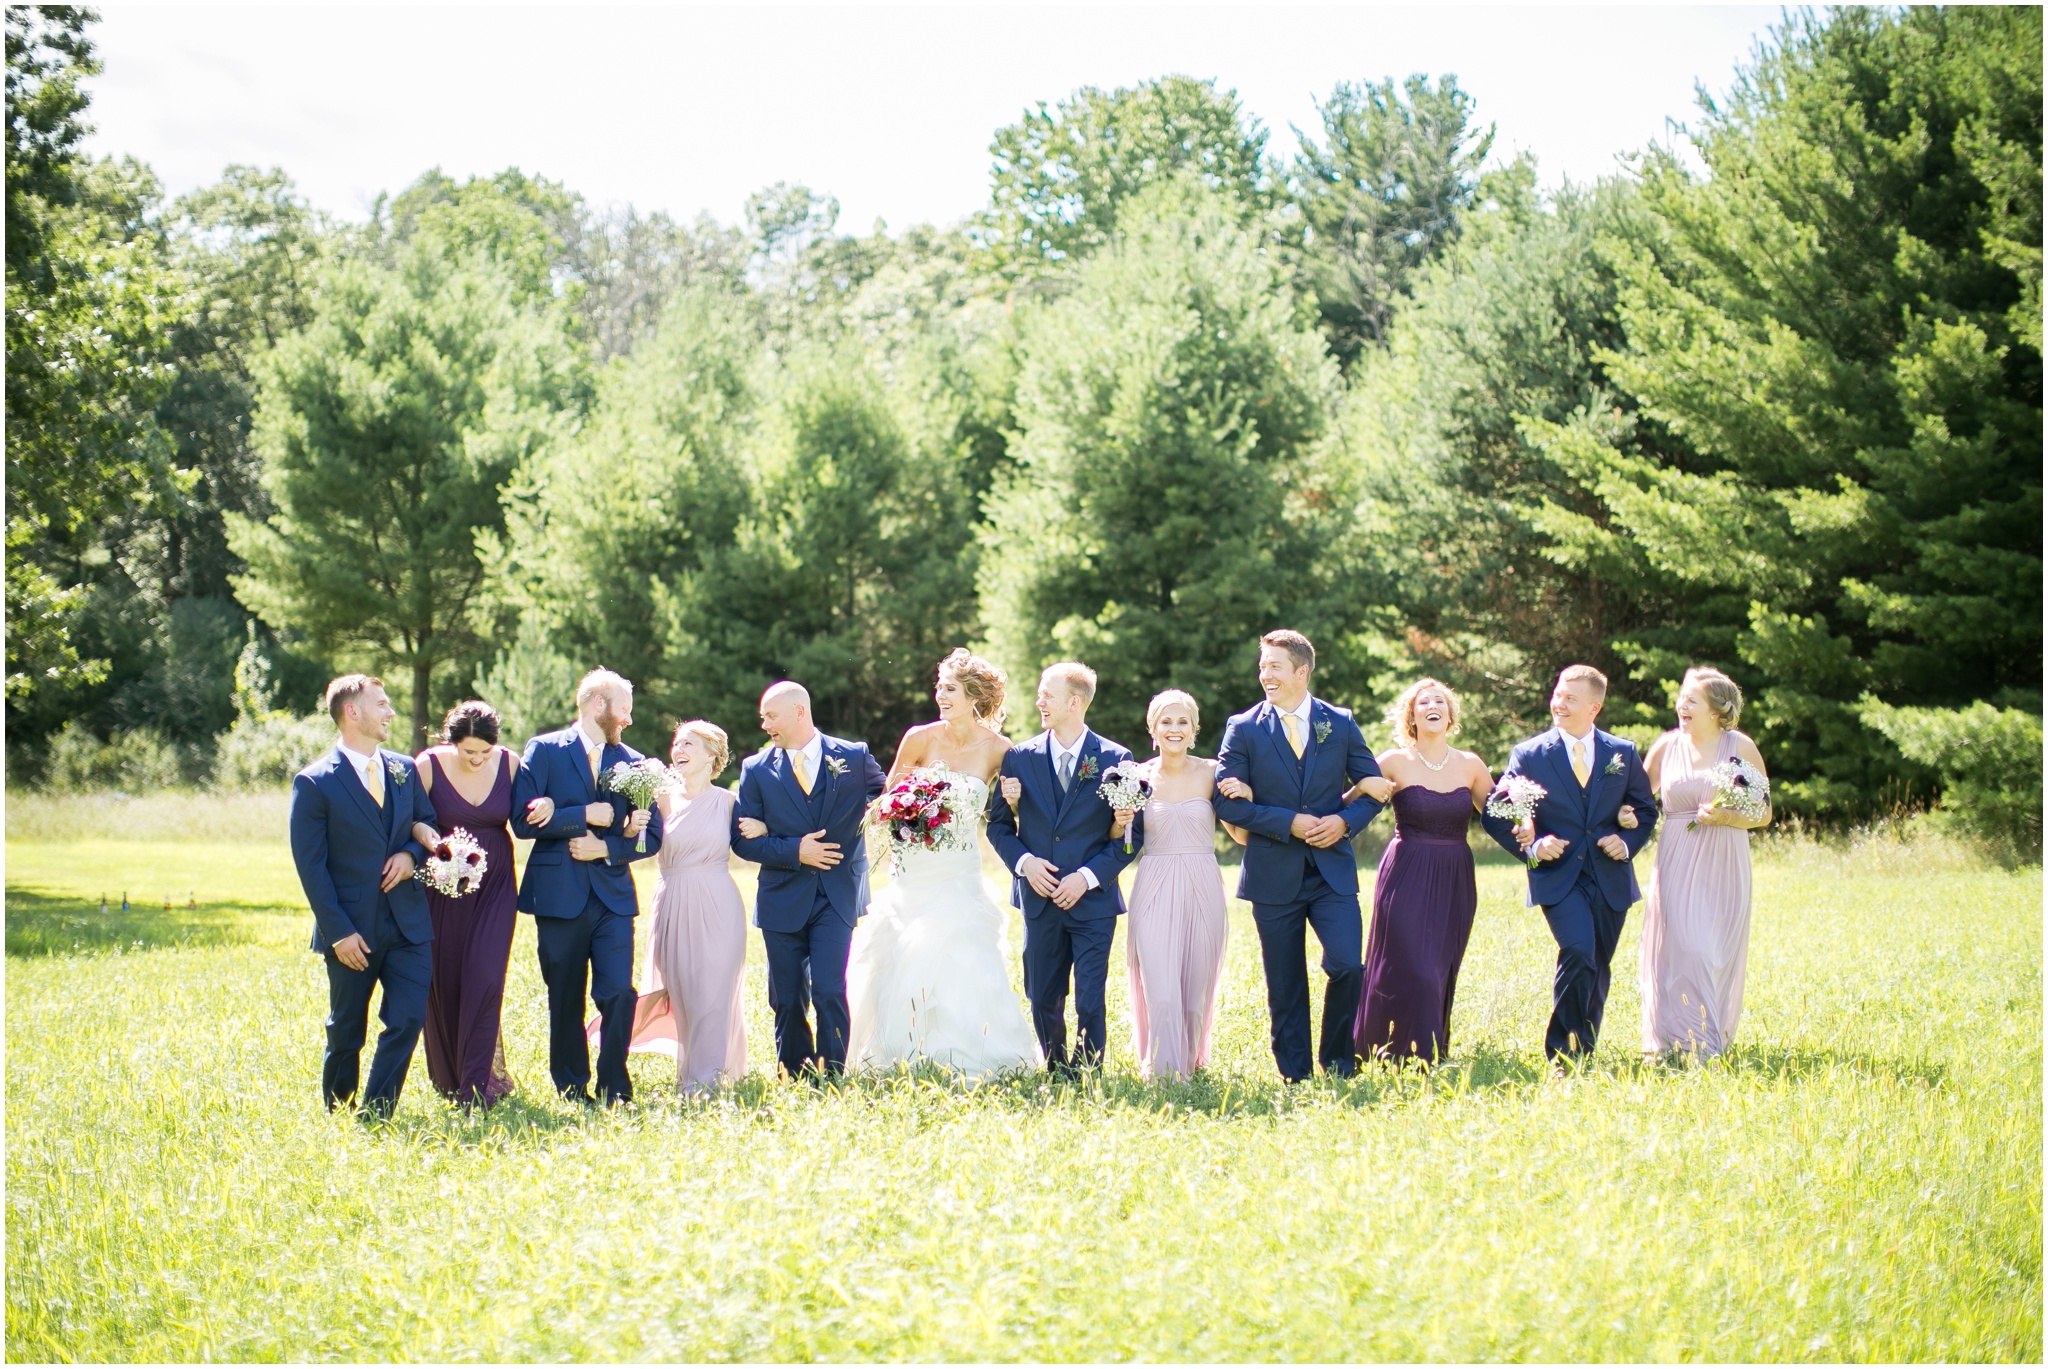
point(1322, 731)
point(836, 766)
point(1091, 766)
point(1614, 765)
point(398, 771)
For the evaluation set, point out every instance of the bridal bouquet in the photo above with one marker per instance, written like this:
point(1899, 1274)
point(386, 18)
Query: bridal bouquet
point(637, 782)
point(1515, 798)
point(1739, 787)
point(918, 811)
point(456, 866)
point(1125, 785)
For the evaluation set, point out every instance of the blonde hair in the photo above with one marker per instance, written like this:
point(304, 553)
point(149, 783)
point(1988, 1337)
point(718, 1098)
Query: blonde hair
point(596, 682)
point(714, 738)
point(1401, 713)
point(1586, 673)
point(980, 681)
point(1079, 679)
point(1167, 698)
point(1723, 695)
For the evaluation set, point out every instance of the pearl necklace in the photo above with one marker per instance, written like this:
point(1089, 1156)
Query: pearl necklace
point(1425, 760)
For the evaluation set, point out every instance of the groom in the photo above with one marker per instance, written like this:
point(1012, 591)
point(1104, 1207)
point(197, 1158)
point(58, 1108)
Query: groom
point(1585, 878)
point(813, 792)
point(1057, 843)
point(579, 883)
point(1299, 756)
point(352, 818)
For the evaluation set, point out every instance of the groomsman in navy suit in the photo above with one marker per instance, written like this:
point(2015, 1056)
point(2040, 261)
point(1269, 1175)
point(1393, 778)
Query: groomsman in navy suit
point(579, 884)
point(1056, 841)
point(812, 791)
point(1585, 878)
point(352, 819)
point(1298, 757)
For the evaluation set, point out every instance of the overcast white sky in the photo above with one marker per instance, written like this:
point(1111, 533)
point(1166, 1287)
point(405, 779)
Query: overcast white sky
point(689, 108)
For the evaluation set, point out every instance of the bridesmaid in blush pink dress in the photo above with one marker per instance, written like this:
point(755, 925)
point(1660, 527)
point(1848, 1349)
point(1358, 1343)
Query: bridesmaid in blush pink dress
point(1179, 923)
point(697, 951)
point(1695, 948)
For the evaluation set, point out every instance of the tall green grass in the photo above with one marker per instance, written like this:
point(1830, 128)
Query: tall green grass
point(1859, 1179)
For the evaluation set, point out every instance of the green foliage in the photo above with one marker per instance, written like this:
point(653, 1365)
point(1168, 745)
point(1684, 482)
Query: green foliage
point(1170, 494)
point(1064, 172)
point(1383, 197)
point(389, 427)
point(1989, 760)
point(139, 761)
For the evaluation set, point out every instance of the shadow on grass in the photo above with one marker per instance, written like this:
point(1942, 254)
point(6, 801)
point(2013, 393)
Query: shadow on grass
point(45, 925)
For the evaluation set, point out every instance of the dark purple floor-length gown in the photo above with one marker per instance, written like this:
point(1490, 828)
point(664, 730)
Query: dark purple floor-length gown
point(472, 946)
point(1421, 920)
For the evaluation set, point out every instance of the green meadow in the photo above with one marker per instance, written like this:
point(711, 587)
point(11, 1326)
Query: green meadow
point(1860, 1179)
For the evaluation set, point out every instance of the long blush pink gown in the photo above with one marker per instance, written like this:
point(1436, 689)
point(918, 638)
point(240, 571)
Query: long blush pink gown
point(697, 951)
point(1174, 939)
point(1696, 925)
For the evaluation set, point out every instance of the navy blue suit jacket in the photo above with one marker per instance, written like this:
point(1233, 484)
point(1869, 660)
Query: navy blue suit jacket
point(1071, 830)
point(341, 839)
point(1334, 757)
point(848, 780)
point(1582, 816)
point(556, 884)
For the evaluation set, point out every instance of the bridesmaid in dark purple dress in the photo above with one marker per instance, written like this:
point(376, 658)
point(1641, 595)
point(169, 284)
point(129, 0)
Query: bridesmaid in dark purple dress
point(1423, 906)
point(469, 778)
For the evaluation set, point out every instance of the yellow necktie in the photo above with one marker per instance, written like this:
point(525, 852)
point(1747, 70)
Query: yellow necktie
point(803, 770)
point(1582, 764)
point(594, 757)
point(1294, 739)
point(376, 782)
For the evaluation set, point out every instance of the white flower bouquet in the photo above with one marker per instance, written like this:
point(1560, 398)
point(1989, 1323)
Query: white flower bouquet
point(455, 867)
point(1740, 788)
point(637, 782)
point(1126, 785)
point(1515, 798)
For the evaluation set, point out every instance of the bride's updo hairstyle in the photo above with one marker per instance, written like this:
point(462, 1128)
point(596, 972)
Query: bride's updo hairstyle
point(980, 681)
point(1401, 716)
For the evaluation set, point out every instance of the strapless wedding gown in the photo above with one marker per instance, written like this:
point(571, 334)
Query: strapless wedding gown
point(928, 978)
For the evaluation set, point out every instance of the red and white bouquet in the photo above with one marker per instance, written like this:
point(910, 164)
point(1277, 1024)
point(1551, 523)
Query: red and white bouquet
point(456, 865)
point(1740, 788)
point(917, 812)
point(1515, 798)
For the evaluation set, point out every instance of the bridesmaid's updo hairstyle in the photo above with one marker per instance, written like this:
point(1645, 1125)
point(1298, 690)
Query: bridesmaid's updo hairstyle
point(980, 681)
point(1167, 698)
point(1401, 717)
point(473, 718)
point(1723, 695)
point(714, 739)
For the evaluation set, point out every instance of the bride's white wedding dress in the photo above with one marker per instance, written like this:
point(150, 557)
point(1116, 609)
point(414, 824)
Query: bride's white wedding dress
point(927, 978)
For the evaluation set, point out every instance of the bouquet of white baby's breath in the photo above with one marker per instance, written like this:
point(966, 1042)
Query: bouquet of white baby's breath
point(637, 782)
point(1126, 785)
point(1515, 798)
point(1740, 788)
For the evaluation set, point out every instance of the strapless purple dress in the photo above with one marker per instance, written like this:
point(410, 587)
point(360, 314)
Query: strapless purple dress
point(1421, 919)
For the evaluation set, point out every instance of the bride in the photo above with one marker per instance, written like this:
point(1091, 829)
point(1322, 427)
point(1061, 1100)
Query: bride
point(928, 978)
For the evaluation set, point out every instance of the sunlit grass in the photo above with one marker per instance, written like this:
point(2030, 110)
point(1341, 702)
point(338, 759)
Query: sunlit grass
point(1859, 1179)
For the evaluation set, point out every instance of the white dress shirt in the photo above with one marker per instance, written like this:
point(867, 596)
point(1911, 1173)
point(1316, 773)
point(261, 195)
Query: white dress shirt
point(1059, 755)
point(365, 766)
point(593, 746)
point(1575, 747)
point(813, 752)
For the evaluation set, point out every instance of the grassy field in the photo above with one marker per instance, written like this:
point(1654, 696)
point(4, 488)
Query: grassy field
point(1859, 1179)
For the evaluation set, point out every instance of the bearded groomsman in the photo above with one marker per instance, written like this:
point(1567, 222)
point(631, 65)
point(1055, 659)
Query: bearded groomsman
point(1054, 837)
point(352, 818)
point(579, 884)
point(1584, 878)
point(1281, 774)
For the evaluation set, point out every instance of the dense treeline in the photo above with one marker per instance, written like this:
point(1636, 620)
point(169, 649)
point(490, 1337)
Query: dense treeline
point(1165, 391)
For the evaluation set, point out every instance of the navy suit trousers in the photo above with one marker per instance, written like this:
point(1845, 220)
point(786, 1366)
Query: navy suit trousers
point(1058, 949)
point(1587, 929)
point(806, 967)
point(404, 968)
point(591, 952)
point(1283, 945)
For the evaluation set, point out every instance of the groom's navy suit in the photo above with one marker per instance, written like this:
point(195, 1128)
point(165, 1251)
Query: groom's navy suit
point(1585, 894)
point(1070, 829)
point(1292, 885)
point(807, 915)
point(583, 910)
point(340, 841)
